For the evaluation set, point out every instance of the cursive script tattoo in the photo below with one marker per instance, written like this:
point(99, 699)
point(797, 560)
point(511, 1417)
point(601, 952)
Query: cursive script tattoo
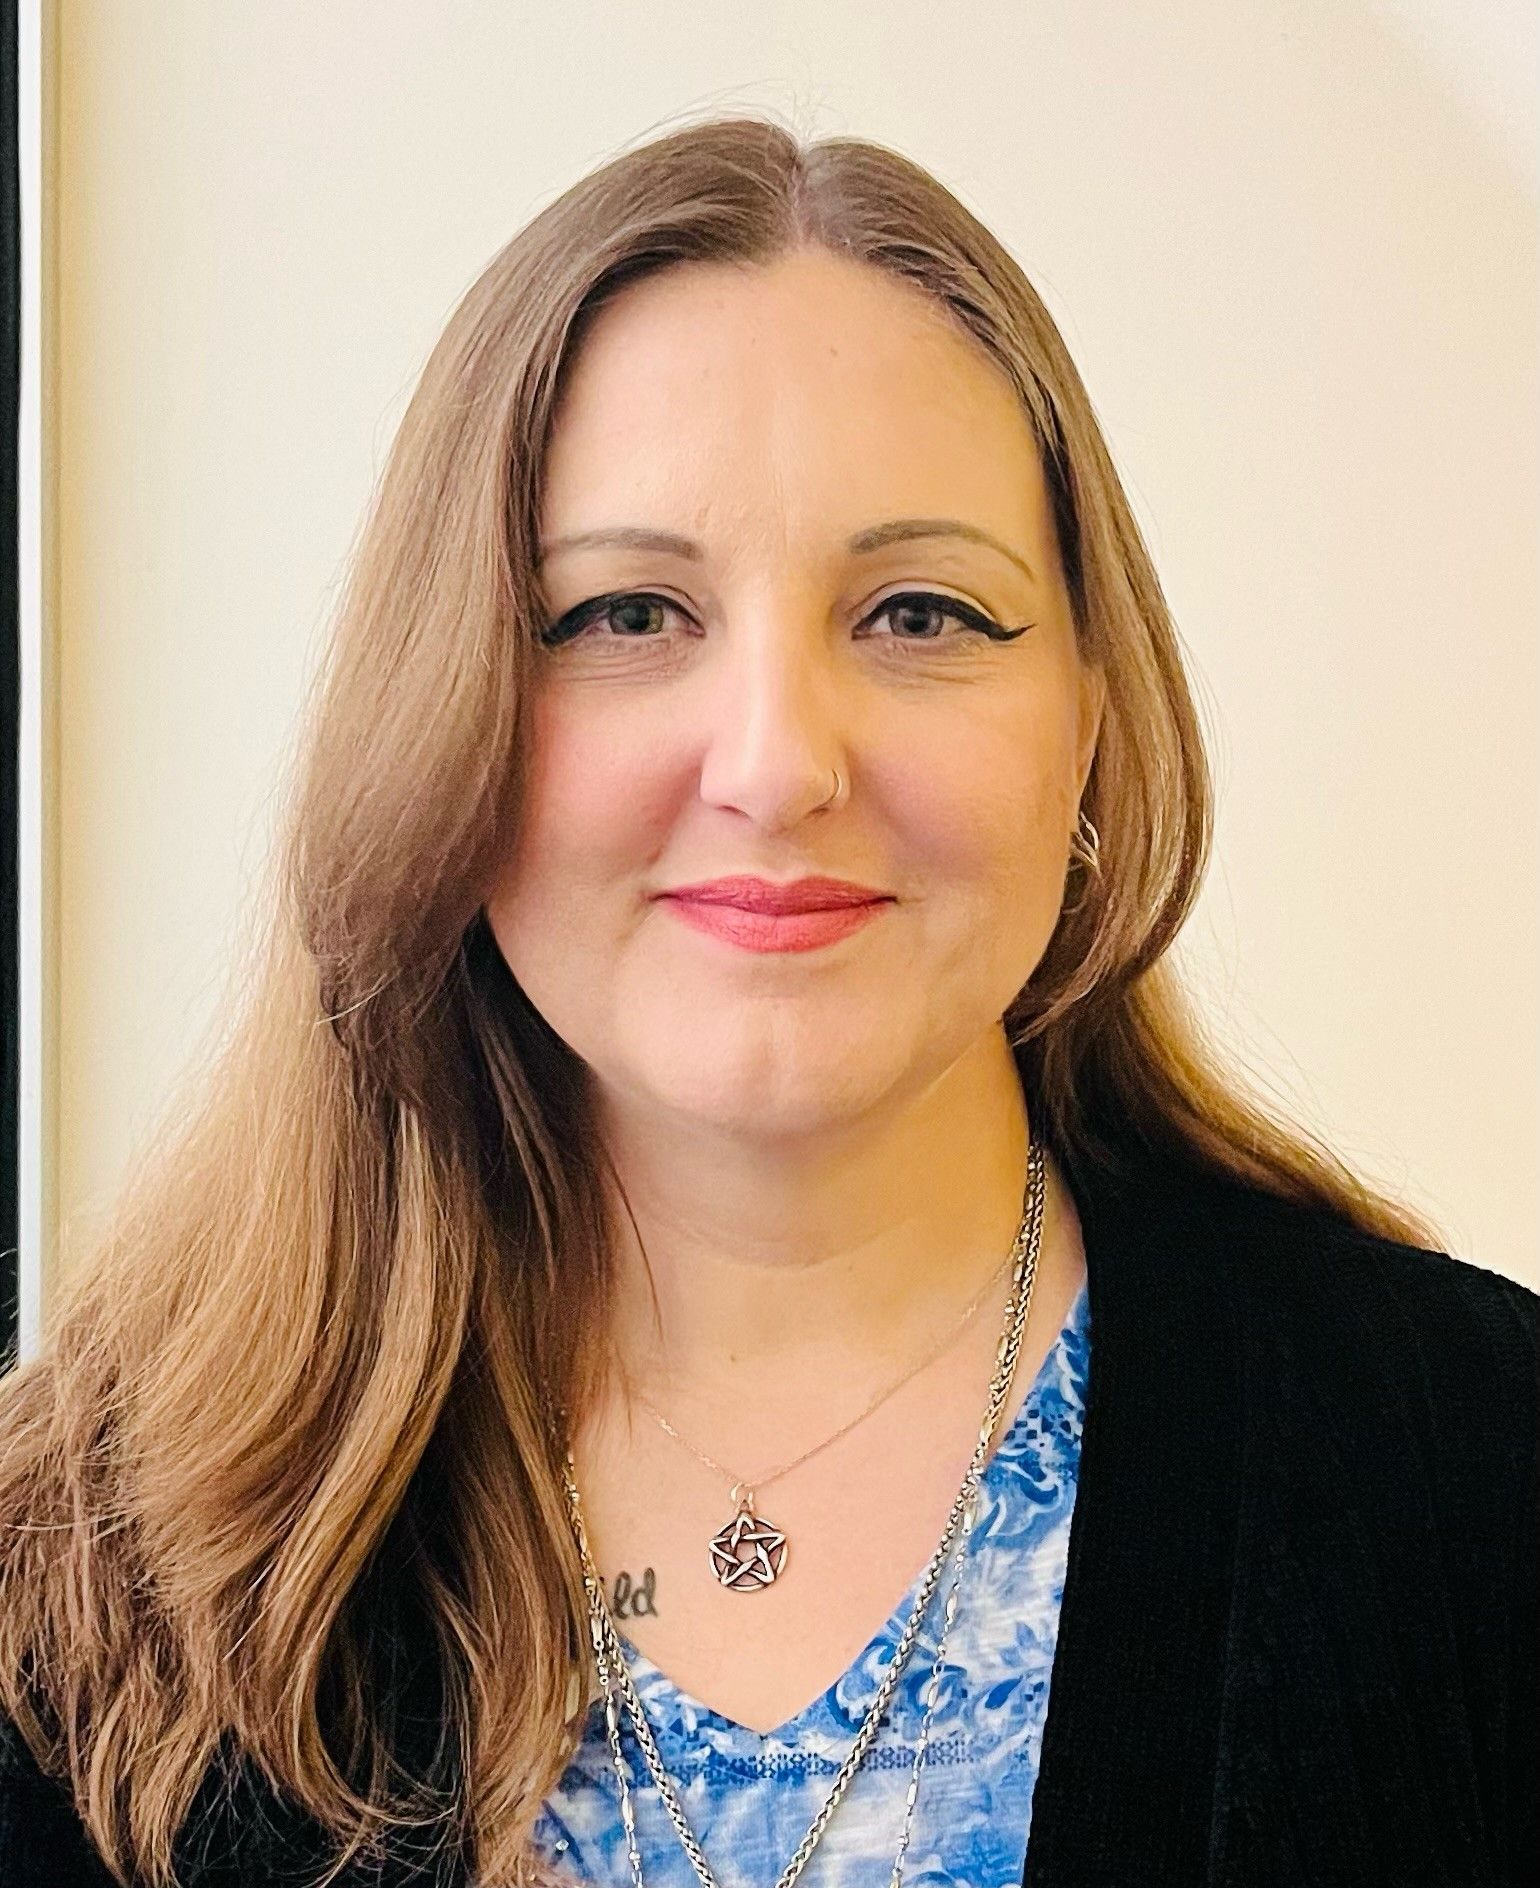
point(632, 1599)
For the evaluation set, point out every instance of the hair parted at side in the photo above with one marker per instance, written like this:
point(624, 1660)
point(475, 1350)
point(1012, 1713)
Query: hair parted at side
point(301, 1388)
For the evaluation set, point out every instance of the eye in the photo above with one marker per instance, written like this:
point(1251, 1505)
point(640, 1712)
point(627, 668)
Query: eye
point(640, 616)
point(632, 615)
point(924, 607)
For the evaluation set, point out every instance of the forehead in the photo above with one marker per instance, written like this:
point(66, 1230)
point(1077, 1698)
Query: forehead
point(806, 397)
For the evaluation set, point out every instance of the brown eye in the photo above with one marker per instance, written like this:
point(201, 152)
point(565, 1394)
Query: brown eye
point(627, 615)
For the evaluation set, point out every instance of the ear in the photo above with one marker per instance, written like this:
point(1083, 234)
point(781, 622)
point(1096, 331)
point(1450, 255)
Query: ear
point(1093, 703)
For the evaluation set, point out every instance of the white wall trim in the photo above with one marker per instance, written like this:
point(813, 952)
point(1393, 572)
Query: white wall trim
point(31, 860)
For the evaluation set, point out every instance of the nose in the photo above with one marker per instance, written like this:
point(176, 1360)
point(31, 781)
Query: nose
point(779, 716)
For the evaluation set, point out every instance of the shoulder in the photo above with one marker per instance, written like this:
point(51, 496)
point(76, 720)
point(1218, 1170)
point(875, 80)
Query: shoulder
point(1309, 1278)
point(1302, 1269)
point(1306, 1303)
point(238, 1833)
point(1406, 1372)
point(42, 1841)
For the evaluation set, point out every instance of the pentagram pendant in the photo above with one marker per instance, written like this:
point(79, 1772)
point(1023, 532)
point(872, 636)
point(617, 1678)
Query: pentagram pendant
point(748, 1553)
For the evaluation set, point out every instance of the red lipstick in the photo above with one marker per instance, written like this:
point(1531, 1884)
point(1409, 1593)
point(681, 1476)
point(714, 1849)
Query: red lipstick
point(749, 893)
point(758, 914)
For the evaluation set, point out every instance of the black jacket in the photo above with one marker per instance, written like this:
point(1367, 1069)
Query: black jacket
point(1298, 1637)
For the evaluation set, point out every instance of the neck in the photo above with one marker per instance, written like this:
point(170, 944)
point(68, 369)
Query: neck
point(832, 1258)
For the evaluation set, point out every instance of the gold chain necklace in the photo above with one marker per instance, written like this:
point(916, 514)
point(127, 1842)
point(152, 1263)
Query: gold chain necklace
point(609, 1653)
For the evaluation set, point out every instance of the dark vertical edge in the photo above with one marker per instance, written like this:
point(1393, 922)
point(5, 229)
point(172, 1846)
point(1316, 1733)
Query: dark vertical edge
point(10, 681)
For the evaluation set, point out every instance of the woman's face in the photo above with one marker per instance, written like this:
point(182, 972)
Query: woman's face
point(769, 419)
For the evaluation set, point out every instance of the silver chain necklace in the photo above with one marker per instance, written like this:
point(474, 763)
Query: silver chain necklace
point(749, 1552)
point(609, 1653)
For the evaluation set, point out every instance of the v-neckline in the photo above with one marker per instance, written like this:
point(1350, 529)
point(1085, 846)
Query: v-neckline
point(727, 1736)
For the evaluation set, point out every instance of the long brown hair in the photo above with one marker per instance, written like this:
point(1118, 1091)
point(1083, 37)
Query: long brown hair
point(309, 1367)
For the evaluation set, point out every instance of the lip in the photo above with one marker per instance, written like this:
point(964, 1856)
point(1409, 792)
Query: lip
point(785, 931)
point(770, 899)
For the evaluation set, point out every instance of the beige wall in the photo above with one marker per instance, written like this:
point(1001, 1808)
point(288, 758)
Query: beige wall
point(1292, 248)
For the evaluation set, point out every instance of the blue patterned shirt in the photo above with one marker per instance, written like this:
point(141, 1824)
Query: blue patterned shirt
point(750, 1797)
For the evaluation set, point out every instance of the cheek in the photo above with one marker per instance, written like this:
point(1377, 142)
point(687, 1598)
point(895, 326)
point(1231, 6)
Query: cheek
point(554, 898)
point(1011, 880)
point(590, 802)
point(993, 810)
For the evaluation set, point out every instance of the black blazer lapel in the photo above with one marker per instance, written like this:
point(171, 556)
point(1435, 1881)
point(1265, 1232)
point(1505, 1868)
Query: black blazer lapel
point(1127, 1778)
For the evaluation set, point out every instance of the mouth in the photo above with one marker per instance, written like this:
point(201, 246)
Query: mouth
point(763, 931)
point(779, 899)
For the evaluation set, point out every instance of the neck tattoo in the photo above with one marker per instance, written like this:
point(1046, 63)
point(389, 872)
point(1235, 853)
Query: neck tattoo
point(635, 1599)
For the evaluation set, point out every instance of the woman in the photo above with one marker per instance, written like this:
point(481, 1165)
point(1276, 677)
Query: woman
point(609, 1384)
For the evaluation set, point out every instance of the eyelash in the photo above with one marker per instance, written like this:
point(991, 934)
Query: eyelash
point(569, 627)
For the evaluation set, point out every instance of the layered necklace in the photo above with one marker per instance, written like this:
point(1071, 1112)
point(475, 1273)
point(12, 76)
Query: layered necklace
point(749, 1541)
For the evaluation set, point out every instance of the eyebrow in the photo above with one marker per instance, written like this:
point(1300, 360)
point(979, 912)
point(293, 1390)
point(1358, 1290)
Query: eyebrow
point(897, 530)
